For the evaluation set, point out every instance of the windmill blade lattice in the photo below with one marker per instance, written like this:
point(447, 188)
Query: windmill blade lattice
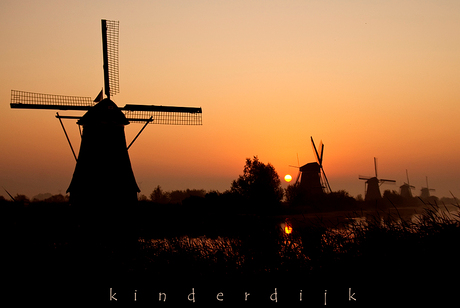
point(31, 100)
point(169, 115)
point(110, 31)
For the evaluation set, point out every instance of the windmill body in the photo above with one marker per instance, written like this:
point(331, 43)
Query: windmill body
point(310, 179)
point(425, 191)
point(373, 189)
point(372, 185)
point(406, 191)
point(406, 188)
point(103, 172)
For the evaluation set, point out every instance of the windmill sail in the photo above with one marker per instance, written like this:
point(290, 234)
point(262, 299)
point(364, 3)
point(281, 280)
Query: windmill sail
point(31, 100)
point(110, 30)
point(170, 115)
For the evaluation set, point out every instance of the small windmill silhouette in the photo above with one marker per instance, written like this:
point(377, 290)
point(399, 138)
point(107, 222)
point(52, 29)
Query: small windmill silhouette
point(406, 188)
point(312, 177)
point(425, 191)
point(372, 185)
point(103, 172)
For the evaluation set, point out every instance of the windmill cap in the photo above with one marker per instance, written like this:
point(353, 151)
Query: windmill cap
point(310, 167)
point(104, 112)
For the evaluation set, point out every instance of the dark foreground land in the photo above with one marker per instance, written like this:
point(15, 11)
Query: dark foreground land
point(197, 256)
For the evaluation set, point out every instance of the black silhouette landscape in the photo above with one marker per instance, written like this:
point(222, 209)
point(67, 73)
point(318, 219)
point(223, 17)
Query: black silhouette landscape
point(232, 241)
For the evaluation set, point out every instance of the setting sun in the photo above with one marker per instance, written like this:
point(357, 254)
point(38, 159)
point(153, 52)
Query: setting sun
point(288, 178)
point(288, 229)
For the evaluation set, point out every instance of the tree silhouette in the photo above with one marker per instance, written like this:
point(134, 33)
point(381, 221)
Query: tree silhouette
point(59, 198)
point(22, 199)
point(295, 195)
point(159, 196)
point(259, 185)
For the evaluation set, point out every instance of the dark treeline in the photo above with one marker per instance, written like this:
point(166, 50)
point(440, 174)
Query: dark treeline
point(258, 190)
point(255, 194)
point(160, 196)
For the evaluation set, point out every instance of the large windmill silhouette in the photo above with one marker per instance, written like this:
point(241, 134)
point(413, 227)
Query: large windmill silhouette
point(103, 173)
point(373, 185)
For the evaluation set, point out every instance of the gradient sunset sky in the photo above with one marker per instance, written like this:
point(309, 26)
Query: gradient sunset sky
point(368, 78)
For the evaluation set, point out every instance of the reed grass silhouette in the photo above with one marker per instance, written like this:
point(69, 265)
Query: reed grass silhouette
point(43, 241)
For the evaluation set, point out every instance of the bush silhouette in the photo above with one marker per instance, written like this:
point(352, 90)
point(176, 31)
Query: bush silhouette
point(259, 186)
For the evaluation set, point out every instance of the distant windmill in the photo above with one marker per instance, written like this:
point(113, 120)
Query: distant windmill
point(425, 191)
point(406, 188)
point(313, 180)
point(372, 185)
point(103, 172)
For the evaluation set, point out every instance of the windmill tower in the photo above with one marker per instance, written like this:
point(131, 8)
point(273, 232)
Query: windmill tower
point(372, 185)
point(406, 188)
point(103, 173)
point(425, 191)
point(313, 180)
